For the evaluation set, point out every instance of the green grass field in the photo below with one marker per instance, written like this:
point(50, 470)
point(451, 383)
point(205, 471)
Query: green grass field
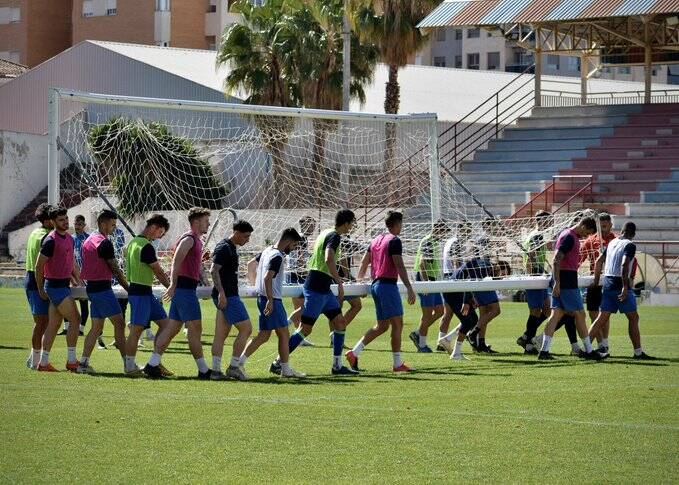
point(502, 418)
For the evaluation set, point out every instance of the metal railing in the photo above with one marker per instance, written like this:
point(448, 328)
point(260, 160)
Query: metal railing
point(554, 98)
point(552, 194)
point(668, 258)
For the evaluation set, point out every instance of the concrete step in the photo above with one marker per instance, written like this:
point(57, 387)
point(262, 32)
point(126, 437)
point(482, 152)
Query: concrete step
point(540, 112)
point(659, 197)
point(606, 153)
point(508, 166)
point(661, 129)
point(648, 222)
point(496, 198)
point(643, 142)
point(551, 133)
point(573, 121)
point(652, 209)
point(657, 234)
point(529, 155)
point(624, 174)
point(668, 186)
point(654, 119)
point(545, 144)
point(470, 176)
point(505, 186)
point(660, 108)
point(626, 164)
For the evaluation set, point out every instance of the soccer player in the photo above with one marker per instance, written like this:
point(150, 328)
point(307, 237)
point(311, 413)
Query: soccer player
point(142, 265)
point(428, 268)
point(453, 257)
point(268, 283)
point(79, 238)
point(185, 307)
point(617, 261)
point(385, 257)
point(296, 263)
point(99, 265)
point(231, 310)
point(53, 272)
point(318, 298)
point(348, 247)
point(566, 297)
point(39, 307)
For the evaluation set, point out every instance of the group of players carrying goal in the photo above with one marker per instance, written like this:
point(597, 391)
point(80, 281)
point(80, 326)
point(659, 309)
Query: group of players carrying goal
point(51, 269)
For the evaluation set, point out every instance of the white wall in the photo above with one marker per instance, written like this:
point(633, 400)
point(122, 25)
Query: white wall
point(23, 171)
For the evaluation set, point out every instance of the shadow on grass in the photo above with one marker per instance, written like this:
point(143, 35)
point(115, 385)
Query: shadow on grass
point(12, 347)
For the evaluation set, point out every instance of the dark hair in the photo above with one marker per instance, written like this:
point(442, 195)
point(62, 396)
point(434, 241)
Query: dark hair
point(343, 216)
point(629, 228)
point(589, 223)
point(158, 220)
point(290, 234)
point(106, 215)
point(488, 222)
point(242, 226)
point(57, 211)
point(541, 214)
point(604, 217)
point(440, 225)
point(503, 267)
point(306, 220)
point(42, 212)
point(197, 213)
point(80, 217)
point(392, 218)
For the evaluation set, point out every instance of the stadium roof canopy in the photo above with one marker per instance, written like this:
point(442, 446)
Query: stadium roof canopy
point(609, 32)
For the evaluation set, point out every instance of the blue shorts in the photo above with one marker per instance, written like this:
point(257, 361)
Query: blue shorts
point(536, 298)
point(295, 279)
point(429, 300)
point(569, 300)
point(610, 303)
point(455, 301)
point(185, 306)
point(278, 317)
point(57, 295)
point(317, 303)
point(387, 300)
point(235, 310)
point(484, 298)
point(351, 297)
point(144, 309)
point(104, 304)
point(39, 307)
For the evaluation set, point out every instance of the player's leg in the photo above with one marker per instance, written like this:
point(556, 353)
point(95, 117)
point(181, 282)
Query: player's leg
point(537, 302)
point(334, 313)
point(236, 315)
point(487, 313)
point(194, 335)
point(557, 313)
point(84, 314)
point(97, 326)
point(568, 322)
point(40, 311)
point(68, 309)
point(444, 341)
point(131, 367)
point(295, 318)
point(118, 322)
point(222, 330)
point(53, 323)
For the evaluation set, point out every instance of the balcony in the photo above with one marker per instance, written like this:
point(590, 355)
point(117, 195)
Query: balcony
point(216, 22)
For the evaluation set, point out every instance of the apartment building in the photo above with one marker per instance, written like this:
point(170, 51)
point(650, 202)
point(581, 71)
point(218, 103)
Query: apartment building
point(32, 31)
point(478, 49)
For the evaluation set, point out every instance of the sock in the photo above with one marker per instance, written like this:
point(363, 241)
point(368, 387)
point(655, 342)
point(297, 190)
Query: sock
point(155, 360)
point(130, 364)
point(604, 342)
point(243, 359)
point(295, 340)
point(84, 361)
point(442, 336)
point(423, 340)
point(547, 344)
point(71, 355)
point(234, 361)
point(575, 347)
point(458, 348)
point(638, 351)
point(35, 358)
point(358, 348)
point(529, 347)
point(588, 344)
point(202, 365)
point(216, 363)
point(82, 328)
point(532, 325)
point(482, 341)
point(571, 330)
point(397, 359)
point(337, 343)
point(285, 367)
point(44, 358)
point(337, 361)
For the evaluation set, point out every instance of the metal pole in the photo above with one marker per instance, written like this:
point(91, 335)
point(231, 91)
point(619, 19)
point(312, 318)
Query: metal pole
point(648, 64)
point(52, 149)
point(583, 79)
point(434, 172)
point(346, 69)
point(538, 69)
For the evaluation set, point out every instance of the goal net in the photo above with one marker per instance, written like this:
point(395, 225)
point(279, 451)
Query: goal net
point(274, 167)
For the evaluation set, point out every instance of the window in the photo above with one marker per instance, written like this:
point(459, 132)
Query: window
point(14, 15)
point(111, 7)
point(163, 6)
point(458, 62)
point(473, 33)
point(473, 61)
point(493, 61)
point(458, 34)
point(212, 8)
point(624, 70)
point(553, 62)
point(573, 63)
point(490, 34)
point(440, 35)
point(163, 43)
point(440, 61)
point(88, 9)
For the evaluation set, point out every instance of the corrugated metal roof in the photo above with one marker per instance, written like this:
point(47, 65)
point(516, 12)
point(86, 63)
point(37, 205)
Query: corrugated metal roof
point(493, 12)
point(11, 69)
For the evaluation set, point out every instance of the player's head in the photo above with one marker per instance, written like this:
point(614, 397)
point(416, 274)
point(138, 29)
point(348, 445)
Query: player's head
point(107, 221)
point(242, 230)
point(79, 223)
point(308, 225)
point(439, 229)
point(501, 269)
point(42, 214)
point(394, 222)
point(629, 230)
point(156, 227)
point(59, 218)
point(199, 219)
point(464, 230)
point(606, 223)
point(344, 221)
point(289, 240)
point(543, 220)
point(586, 227)
point(488, 224)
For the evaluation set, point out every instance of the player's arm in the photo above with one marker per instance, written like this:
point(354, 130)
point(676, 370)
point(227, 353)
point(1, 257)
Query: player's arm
point(160, 274)
point(598, 266)
point(180, 253)
point(556, 272)
point(268, 289)
point(627, 259)
point(118, 273)
point(217, 281)
point(252, 270)
point(332, 267)
point(40, 275)
point(363, 269)
point(75, 273)
point(403, 274)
